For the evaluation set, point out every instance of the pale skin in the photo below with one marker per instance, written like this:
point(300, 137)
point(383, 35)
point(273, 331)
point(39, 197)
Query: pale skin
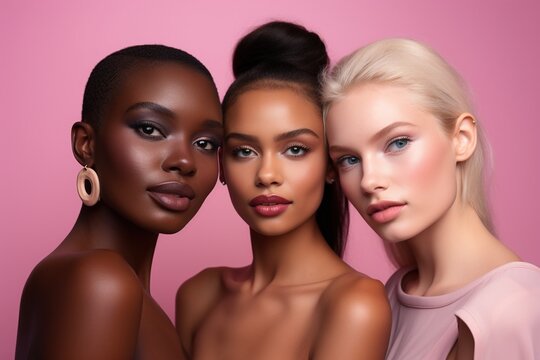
point(297, 299)
point(90, 297)
point(388, 148)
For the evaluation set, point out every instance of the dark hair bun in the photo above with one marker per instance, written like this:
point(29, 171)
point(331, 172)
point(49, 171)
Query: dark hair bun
point(280, 43)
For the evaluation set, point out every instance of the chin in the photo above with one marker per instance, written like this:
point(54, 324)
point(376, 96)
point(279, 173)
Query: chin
point(269, 230)
point(168, 225)
point(395, 234)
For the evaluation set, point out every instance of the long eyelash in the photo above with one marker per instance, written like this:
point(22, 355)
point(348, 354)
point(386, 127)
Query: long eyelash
point(403, 137)
point(302, 146)
point(341, 160)
point(215, 143)
point(237, 149)
point(142, 123)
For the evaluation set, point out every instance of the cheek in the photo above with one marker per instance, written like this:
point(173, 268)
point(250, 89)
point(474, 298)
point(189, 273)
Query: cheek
point(350, 183)
point(431, 166)
point(306, 174)
point(207, 171)
point(429, 179)
point(123, 165)
point(239, 178)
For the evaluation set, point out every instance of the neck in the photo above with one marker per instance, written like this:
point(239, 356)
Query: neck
point(298, 257)
point(99, 227)
point(454, 251)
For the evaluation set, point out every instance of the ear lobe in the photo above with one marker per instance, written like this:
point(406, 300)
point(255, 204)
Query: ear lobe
point(330, 174)
point(465, 137)
point(82, 143)
point(220, 164)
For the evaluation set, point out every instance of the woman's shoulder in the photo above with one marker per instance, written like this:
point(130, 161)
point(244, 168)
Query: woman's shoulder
point(195, 298)
point(356, 317)
point(502, 311)
point(94, 272)
point(208, 283)
point(356, 300)
point(73, 300)
point(356, 293)
point(515, 284)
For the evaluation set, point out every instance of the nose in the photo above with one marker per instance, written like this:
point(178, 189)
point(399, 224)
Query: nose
point(269, 172)
point(180, 158)
point(373, 176)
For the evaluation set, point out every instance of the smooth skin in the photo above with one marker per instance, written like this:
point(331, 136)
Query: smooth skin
point(298, 299)
point(388, 148)
point(90, 298)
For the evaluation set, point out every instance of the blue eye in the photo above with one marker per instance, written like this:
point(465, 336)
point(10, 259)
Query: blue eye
point(296, 151)
point(347, 161)
point(398, 144)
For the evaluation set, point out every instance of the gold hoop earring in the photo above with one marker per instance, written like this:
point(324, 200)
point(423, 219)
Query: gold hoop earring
point(88, 176)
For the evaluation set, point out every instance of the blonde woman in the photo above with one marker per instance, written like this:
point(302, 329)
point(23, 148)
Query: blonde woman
point(410, 152)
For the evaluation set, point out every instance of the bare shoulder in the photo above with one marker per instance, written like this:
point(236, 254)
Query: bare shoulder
point(206, 287)
point(195, 298)
point(81, 301)
point(200, 290)
point(355, 319)
point(98, 272)
point(357, 296)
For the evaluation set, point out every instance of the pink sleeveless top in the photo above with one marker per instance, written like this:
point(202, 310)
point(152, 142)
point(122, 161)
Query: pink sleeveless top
point(501, 309)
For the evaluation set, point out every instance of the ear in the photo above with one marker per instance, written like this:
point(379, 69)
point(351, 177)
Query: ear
point(220, 163)
point(83, 142)
point(330, 174)
point(465, 137)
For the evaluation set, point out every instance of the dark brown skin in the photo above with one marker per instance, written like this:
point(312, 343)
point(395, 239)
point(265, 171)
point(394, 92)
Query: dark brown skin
point(298, 299)
point(90, 298)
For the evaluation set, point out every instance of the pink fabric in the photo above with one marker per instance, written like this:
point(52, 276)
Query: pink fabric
point(502, 310)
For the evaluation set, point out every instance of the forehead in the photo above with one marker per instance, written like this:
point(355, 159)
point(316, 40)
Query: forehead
point(370, 107)
point(273, 110)
point(170, 84)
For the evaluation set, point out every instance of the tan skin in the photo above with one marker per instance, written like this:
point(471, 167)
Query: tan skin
point(90, 298)
point(394, 150)
point(297, 299)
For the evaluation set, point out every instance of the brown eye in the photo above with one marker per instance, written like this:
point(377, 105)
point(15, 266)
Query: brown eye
point(205, 144)
point(296, 150)
point(149, 131)
point(243, 152)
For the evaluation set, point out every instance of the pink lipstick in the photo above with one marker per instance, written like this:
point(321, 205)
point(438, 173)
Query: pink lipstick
point(384, 211)
point(172, 196)
point(269, 205)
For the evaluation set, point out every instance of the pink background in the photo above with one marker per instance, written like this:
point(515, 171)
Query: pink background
point(49, 48)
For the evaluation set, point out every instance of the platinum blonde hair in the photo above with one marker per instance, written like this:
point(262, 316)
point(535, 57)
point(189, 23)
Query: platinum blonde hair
point(436, 86)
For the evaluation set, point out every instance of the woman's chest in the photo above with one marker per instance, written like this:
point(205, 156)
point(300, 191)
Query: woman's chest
point(276, 326)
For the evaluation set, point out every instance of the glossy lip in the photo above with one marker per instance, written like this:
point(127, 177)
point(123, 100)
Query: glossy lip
point(385, 211)
point(269, 205)
point(173, 196)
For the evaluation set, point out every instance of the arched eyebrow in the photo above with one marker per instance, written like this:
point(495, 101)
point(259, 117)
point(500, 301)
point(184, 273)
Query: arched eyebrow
point(148, 105)
point(295, 133)
point(151, 106)
point(384, 131)
point(280, 137)
point(381, 134)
